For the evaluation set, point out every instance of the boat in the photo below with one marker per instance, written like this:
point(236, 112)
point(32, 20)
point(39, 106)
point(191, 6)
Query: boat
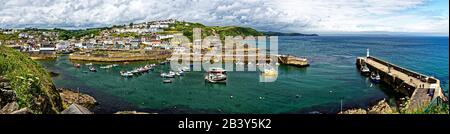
point(365, 70)
point(240, 63)
point(126, 74)
point(106, 67)
point(92, 69)
point(88, 64)
point(168, 75)
point(277, 64)
point(216, 75)
point(217, 70)
point(216, 78)
point(115, 65)
point(375, 77)
point(181, 73)
point(77, 65)
point(184, 69)
point(269, 72)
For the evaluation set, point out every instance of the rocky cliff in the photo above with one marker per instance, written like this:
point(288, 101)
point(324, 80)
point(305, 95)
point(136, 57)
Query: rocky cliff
point(25, 86)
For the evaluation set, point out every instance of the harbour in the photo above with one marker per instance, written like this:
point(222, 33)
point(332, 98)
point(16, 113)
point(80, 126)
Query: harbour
point(419, 88)
point(331, 78)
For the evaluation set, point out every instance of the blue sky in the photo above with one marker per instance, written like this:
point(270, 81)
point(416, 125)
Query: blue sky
point(423, 17)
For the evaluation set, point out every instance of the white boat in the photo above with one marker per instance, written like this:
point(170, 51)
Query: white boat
point(277, 64)
point(92, 69)
point(168, 75)
point(184, 69)
point(88, 64)
point(106, 67)
point(269, 72)
point(216, 75)
point(126, 74)
point(375, 77)
point(365, 70)
point(240, 63)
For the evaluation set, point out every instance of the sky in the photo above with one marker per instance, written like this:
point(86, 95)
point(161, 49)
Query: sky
point(427, 17)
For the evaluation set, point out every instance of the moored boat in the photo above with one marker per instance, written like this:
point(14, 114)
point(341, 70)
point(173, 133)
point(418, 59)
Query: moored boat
point(92, 69)
point(269, 72)
point(77, 65)
point(365, 70)
point(126, 74)
point(375, 77)
point(216, 75)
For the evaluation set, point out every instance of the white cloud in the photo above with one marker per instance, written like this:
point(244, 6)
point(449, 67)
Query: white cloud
point(323, 16)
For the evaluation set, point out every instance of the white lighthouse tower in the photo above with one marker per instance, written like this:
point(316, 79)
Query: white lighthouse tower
point(367, 53)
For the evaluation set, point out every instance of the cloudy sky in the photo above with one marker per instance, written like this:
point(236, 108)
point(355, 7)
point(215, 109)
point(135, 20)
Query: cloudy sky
point(306, 16)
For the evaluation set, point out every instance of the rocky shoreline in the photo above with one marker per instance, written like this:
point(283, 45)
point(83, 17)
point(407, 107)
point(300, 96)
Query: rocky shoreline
point(70, 97)
point(382, 107)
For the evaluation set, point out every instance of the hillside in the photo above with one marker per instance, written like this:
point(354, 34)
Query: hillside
point(26, 82)
point(270, 33)
point(223, 31)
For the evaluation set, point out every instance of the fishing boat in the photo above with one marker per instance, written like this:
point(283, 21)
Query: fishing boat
point(375, 77)
point(92, 69)
point(216, 75)
point(126, 74)
point(365, 70)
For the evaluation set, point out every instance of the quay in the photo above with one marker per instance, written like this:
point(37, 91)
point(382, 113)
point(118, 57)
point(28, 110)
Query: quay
point(421, 89)
point(293, 60)
point(282, 59)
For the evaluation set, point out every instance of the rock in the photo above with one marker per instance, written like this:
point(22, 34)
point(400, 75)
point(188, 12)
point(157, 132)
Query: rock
point(10, 107)
point(22, 111)
point(381, 107)
point(132, 112)
point(354, 111)
point(7, 96)
point(70, 97)
point(76, 109)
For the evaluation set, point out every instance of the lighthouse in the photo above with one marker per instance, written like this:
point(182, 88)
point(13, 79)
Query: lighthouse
point(367, 53)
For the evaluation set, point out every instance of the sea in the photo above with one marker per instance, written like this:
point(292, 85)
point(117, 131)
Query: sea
point(331, 83)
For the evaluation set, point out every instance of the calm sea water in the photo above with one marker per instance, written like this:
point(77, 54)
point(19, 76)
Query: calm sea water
point(331, 79)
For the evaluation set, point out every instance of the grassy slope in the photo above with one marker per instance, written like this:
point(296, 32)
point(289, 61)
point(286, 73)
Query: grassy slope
point(32, 83)
point(187, 27)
